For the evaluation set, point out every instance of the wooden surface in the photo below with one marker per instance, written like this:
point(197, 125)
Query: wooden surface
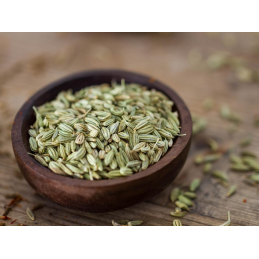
point(29, 61)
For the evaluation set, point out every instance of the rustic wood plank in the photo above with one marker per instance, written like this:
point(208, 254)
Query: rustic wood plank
point(164, 57)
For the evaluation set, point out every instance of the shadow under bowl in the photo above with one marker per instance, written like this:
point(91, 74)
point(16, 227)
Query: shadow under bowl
point(102, 195)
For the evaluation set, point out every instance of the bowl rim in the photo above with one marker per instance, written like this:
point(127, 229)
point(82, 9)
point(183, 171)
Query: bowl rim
point(181, 142)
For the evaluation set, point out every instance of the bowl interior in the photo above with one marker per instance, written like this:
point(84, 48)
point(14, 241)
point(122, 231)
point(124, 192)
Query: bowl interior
point(84, 79)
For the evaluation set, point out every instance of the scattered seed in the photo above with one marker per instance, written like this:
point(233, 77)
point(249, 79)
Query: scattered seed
point(231, 190)
point(213, 145)
point(254, 177)
point(178, 214)
point(174, 194)
point(220, 175)
point(190, 195)
point(240, 167)
point(135, 223)
point(195, 185)
point(211, 158)
point(207, 167)
point(177, 223)
point(30, 214)
point(181, 205)
point(199, 159)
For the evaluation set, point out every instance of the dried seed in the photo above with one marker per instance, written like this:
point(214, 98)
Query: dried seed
point(231, 190)
point(135, 223)
point(80, 139)
point(178, 214)
point(181, 205)
point(252, 163)
point(213, 145)
point(138, 146)
point(33, 144)
point(40, 160)
point(199, 159)
point(235, 159)
point(185, 200)
point(174, 194)
point(211, 158)
point(177, 223)
point(240, 167)
point(134, 163)
point(109, 157)
point(195, 185)
point(65, 169)
point(220, 175)
point(254, 177)
point(54, 166)
point(30, 214)
point(191, 195)
point(126, 171)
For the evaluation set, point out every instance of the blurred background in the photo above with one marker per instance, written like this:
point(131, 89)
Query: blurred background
point(208, 70)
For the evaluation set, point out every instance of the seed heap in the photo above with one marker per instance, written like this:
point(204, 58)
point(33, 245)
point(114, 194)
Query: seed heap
point(183, 200)
point(246, 162)
point(104, 131)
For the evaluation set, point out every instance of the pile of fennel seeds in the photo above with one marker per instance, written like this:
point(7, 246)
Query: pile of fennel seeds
point(103, 131)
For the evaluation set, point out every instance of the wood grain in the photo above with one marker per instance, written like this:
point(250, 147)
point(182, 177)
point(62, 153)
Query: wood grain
point(165, 57)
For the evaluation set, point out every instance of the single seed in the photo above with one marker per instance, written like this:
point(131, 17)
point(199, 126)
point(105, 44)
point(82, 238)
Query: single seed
point(199, 159)
point(30, 214)
point(240, 167)
point(235, 159)
point(254, 177)
point(195, 184)
point(178, 214)
point(181, 205)
point(231, 190)
point(207, 167)
point(213, 145)
point(174, 194)
point(135, 223)
point(220, 175)
point(190, 195)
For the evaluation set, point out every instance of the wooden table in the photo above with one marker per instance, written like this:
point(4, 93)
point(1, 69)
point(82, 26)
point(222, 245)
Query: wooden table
point(28, 61)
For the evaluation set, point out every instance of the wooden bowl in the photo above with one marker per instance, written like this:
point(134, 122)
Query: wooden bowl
point(101, 195)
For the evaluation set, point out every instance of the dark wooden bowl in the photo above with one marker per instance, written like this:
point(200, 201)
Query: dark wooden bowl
point(101, 195)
